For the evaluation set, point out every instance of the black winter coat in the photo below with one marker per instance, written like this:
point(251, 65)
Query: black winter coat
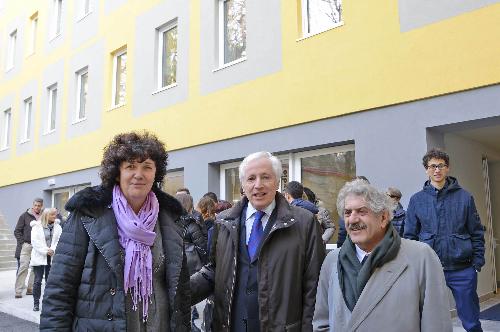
point(22, 232)
point(85, 291)
point(195, 244)
point(289, 262)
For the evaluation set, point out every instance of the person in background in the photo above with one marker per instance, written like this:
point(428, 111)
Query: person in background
point(377, 281)
point(212, 195)
point(208, 208)
point(195, 214)
point(22, 232)
point(120, 263)
point(195, 245)
point(399, 214)
point(293, 194)
point(264, 259)
point(45, 234)
point(444, 216)
point(323, 215)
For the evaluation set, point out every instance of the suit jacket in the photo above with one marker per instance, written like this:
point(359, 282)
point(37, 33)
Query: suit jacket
point(407, 294)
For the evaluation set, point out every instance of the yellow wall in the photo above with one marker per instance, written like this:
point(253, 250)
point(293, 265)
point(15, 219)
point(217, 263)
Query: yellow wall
point(364, 64)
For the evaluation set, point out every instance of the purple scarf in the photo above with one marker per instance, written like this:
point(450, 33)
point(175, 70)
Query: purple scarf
point(136, 235)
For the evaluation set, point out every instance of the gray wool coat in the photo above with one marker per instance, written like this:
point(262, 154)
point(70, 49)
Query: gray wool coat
point(407, 294)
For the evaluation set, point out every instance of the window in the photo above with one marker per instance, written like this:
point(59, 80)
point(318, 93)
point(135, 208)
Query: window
point(51, 114)
point(81, 96)
point(11, 50)
point(173, 181)
point(61, 196)
point(167, 56)
point(232, 31)
point(28, 109)
point(320, 15)
point(6, 129)
point(85, 7)
point(56, 17)
point(34, 29)
point(119, 78)
point(324, 171)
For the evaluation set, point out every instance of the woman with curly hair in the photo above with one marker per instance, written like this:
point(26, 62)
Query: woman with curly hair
point(120, 263)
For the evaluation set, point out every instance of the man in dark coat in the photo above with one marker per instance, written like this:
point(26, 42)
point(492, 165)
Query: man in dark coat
point(444, 216)
point(22, 232)
point(265, 257)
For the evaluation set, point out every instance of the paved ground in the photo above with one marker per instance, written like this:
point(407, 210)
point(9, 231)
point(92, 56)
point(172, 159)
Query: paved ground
point(10, 323)
point(10, 308)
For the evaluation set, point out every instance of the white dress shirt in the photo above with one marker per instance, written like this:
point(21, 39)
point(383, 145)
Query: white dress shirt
point(250, 217)
point(360, 253)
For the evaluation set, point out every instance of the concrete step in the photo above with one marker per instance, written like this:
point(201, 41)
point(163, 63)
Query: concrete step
point(8, 266)
point(10, 258)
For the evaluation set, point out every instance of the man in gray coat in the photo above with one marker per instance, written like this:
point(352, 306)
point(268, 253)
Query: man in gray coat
point(378, 281)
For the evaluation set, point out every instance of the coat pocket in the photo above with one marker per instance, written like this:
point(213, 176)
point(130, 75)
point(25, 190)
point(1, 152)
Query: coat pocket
point(294, 327)
point(460, 248)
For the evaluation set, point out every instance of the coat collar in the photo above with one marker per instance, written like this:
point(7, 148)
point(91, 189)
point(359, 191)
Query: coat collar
point(376, 288)
point(100, 197)
point(103, 232)
point(284, 216)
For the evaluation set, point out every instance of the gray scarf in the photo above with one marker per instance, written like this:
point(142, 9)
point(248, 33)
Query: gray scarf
point(353, 276)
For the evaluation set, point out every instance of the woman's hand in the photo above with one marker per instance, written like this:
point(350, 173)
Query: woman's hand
point(50, 252)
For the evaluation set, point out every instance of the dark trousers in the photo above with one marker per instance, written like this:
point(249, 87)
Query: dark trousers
point(463, 285)
point(37, 284)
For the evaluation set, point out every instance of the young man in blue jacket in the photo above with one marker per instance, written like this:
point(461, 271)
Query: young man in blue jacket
point(444, 216)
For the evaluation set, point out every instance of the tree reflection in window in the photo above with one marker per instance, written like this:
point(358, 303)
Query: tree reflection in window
point(322, 14)
point(169, 57)
point(235, 30)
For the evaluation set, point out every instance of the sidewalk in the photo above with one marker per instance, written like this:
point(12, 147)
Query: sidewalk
point(21, 308)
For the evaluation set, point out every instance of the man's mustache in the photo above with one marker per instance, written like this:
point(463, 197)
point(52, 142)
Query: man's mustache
point(357, 226)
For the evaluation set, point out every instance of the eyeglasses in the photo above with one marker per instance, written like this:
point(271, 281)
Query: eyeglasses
point(433, 166)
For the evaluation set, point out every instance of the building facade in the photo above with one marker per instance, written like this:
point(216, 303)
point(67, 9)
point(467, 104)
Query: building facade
point(333, 88)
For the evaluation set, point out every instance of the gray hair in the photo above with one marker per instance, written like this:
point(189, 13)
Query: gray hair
point(44, 217)
point(186, 201)
point(275, 163)
point(376, 200)
point(394, 192)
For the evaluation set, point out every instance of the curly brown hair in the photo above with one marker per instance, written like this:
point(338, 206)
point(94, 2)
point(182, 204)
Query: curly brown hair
point(206, 206)
point(132, 146)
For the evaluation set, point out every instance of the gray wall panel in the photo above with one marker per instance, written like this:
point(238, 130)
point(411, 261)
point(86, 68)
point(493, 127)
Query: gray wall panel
point(54, 74)
point(28, 91)
point(147, 97)
point(417, 13)
point(263, 45)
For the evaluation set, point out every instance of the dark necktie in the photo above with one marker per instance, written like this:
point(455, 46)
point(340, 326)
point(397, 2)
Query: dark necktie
point(364, 259)
point(255, 235)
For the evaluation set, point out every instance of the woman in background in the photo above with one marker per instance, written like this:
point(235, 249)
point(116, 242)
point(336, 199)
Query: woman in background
point(45, 235)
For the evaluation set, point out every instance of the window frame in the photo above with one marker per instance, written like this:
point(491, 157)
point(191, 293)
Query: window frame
point(11, 50)
point(56, 23)
point(82, 72)
point(221, 36)
point(7, 119)
point(294, 164)
point(28, 112)
point(115, 82)
point(33, 33)
point(305, 22)
point(51, 108)
point(173, 24)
